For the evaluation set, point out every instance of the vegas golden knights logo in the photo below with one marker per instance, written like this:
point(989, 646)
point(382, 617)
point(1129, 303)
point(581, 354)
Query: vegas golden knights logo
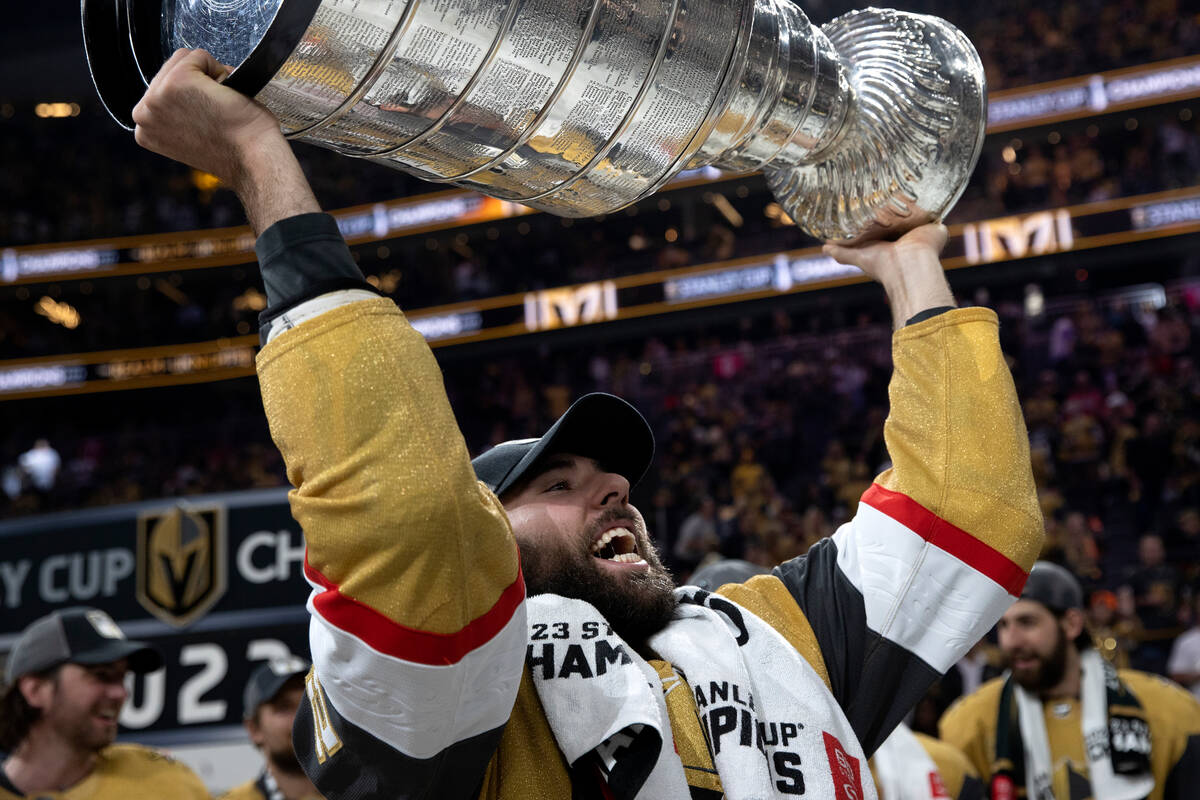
point(181, 561)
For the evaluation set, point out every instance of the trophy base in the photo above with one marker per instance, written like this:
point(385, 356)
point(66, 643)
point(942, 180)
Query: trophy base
point(911, 138)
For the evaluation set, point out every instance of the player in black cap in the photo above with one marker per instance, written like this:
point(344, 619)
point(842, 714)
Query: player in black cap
point(269, 705)
point(65, 686)
point(1066, 721)
point(504, 632)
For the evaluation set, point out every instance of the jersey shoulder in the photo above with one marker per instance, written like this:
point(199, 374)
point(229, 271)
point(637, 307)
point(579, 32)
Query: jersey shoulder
point(968, 710)
point(1168, 706)
point(134, 764)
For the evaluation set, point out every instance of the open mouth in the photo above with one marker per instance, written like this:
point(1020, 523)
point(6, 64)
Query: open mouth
point(616, 544)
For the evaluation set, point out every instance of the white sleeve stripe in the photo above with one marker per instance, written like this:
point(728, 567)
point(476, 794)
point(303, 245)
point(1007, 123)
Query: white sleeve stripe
point(419, 709)
point(310, 309)
point(916, 594)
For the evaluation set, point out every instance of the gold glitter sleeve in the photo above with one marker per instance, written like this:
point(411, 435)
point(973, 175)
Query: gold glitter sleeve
point(393, 517)
point(956, 435)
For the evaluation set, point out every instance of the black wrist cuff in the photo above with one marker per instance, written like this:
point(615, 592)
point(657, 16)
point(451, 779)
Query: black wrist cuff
point(301, 255)
point(928, 313)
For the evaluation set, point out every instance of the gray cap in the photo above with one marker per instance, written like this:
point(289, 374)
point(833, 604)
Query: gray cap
point(268, 679)
point(76, 636)
point(727, 570)
point(598, 425)
point(1053, 586)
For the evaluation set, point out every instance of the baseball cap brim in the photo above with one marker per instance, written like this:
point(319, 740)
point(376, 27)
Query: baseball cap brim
point(142, 657)
point(599, 426)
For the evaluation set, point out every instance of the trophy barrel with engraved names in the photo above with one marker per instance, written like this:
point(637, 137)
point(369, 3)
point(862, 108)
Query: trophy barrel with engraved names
point(864, 127)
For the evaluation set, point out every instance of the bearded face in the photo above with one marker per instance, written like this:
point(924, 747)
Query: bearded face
point(580, 538)
point(271, 727)
point(80, 704)
point(1040, 671)
point(1035, 646)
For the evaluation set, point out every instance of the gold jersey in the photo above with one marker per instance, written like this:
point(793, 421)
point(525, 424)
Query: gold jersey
point(125, 772)
point(1172, 713)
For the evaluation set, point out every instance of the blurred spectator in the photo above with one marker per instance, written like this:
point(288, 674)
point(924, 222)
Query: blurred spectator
point(1155, 585)
point(270, 701)
point(1114, 634)
point(41, 463)
point(1183, 666)
point(697, 535)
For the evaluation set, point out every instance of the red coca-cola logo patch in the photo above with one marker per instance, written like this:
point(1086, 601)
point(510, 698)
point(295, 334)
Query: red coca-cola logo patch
point(937, 789)
point(847, 776)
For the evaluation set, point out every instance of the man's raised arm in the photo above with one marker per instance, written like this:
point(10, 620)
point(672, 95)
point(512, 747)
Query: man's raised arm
point(418, 628)
point(942, 542)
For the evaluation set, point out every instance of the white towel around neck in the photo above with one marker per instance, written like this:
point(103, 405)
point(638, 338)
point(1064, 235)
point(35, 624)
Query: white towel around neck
point(769, 718)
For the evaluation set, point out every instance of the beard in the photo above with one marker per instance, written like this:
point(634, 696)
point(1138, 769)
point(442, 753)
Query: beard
point(637, 605)
point(284, 759)
point(1049, 670)
point(83, 734)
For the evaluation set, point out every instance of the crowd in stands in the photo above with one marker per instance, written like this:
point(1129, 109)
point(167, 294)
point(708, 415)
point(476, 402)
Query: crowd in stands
point(83, 177)
point(768, 433)
point(1027, 42)
point(539, 251)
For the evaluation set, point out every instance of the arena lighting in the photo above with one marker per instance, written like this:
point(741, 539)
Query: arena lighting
point(1082, 227)
point(56, 110)
point(726, 208)
point(63, 314)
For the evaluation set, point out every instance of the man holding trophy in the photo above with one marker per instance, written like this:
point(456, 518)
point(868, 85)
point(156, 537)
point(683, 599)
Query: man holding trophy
point(503, 628)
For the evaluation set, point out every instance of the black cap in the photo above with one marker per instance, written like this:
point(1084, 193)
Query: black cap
point(1054, 587)
point(268, 679)
point(727, 570)
point(600, 426)
point(76, 636)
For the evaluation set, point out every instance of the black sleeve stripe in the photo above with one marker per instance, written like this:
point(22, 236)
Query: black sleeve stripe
point(366, 768)
point(835, 610)
point(874, 680)
point(1184, 777)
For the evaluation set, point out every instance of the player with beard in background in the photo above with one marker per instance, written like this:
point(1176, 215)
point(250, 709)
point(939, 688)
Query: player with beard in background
point(505, 629)
point(269, 705)
point(1063, 723)
point(65, 687)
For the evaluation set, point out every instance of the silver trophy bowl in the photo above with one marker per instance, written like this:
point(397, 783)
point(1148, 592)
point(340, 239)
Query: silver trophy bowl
point(865, 127)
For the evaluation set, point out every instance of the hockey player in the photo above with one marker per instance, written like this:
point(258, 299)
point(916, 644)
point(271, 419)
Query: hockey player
point(65, 688)
point(1063, 723)
point(508, 631)
point(269, 706)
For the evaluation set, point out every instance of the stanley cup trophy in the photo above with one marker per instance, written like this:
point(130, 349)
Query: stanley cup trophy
point(865, 127)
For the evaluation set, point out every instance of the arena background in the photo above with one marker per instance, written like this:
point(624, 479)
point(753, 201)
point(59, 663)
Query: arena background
point(129, 296)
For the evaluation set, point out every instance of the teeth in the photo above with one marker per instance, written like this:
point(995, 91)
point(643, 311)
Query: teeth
point(627, 558)
point(608, 536)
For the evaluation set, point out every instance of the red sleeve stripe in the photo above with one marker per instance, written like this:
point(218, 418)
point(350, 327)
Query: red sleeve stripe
point(954, 540)
point(393, 639)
